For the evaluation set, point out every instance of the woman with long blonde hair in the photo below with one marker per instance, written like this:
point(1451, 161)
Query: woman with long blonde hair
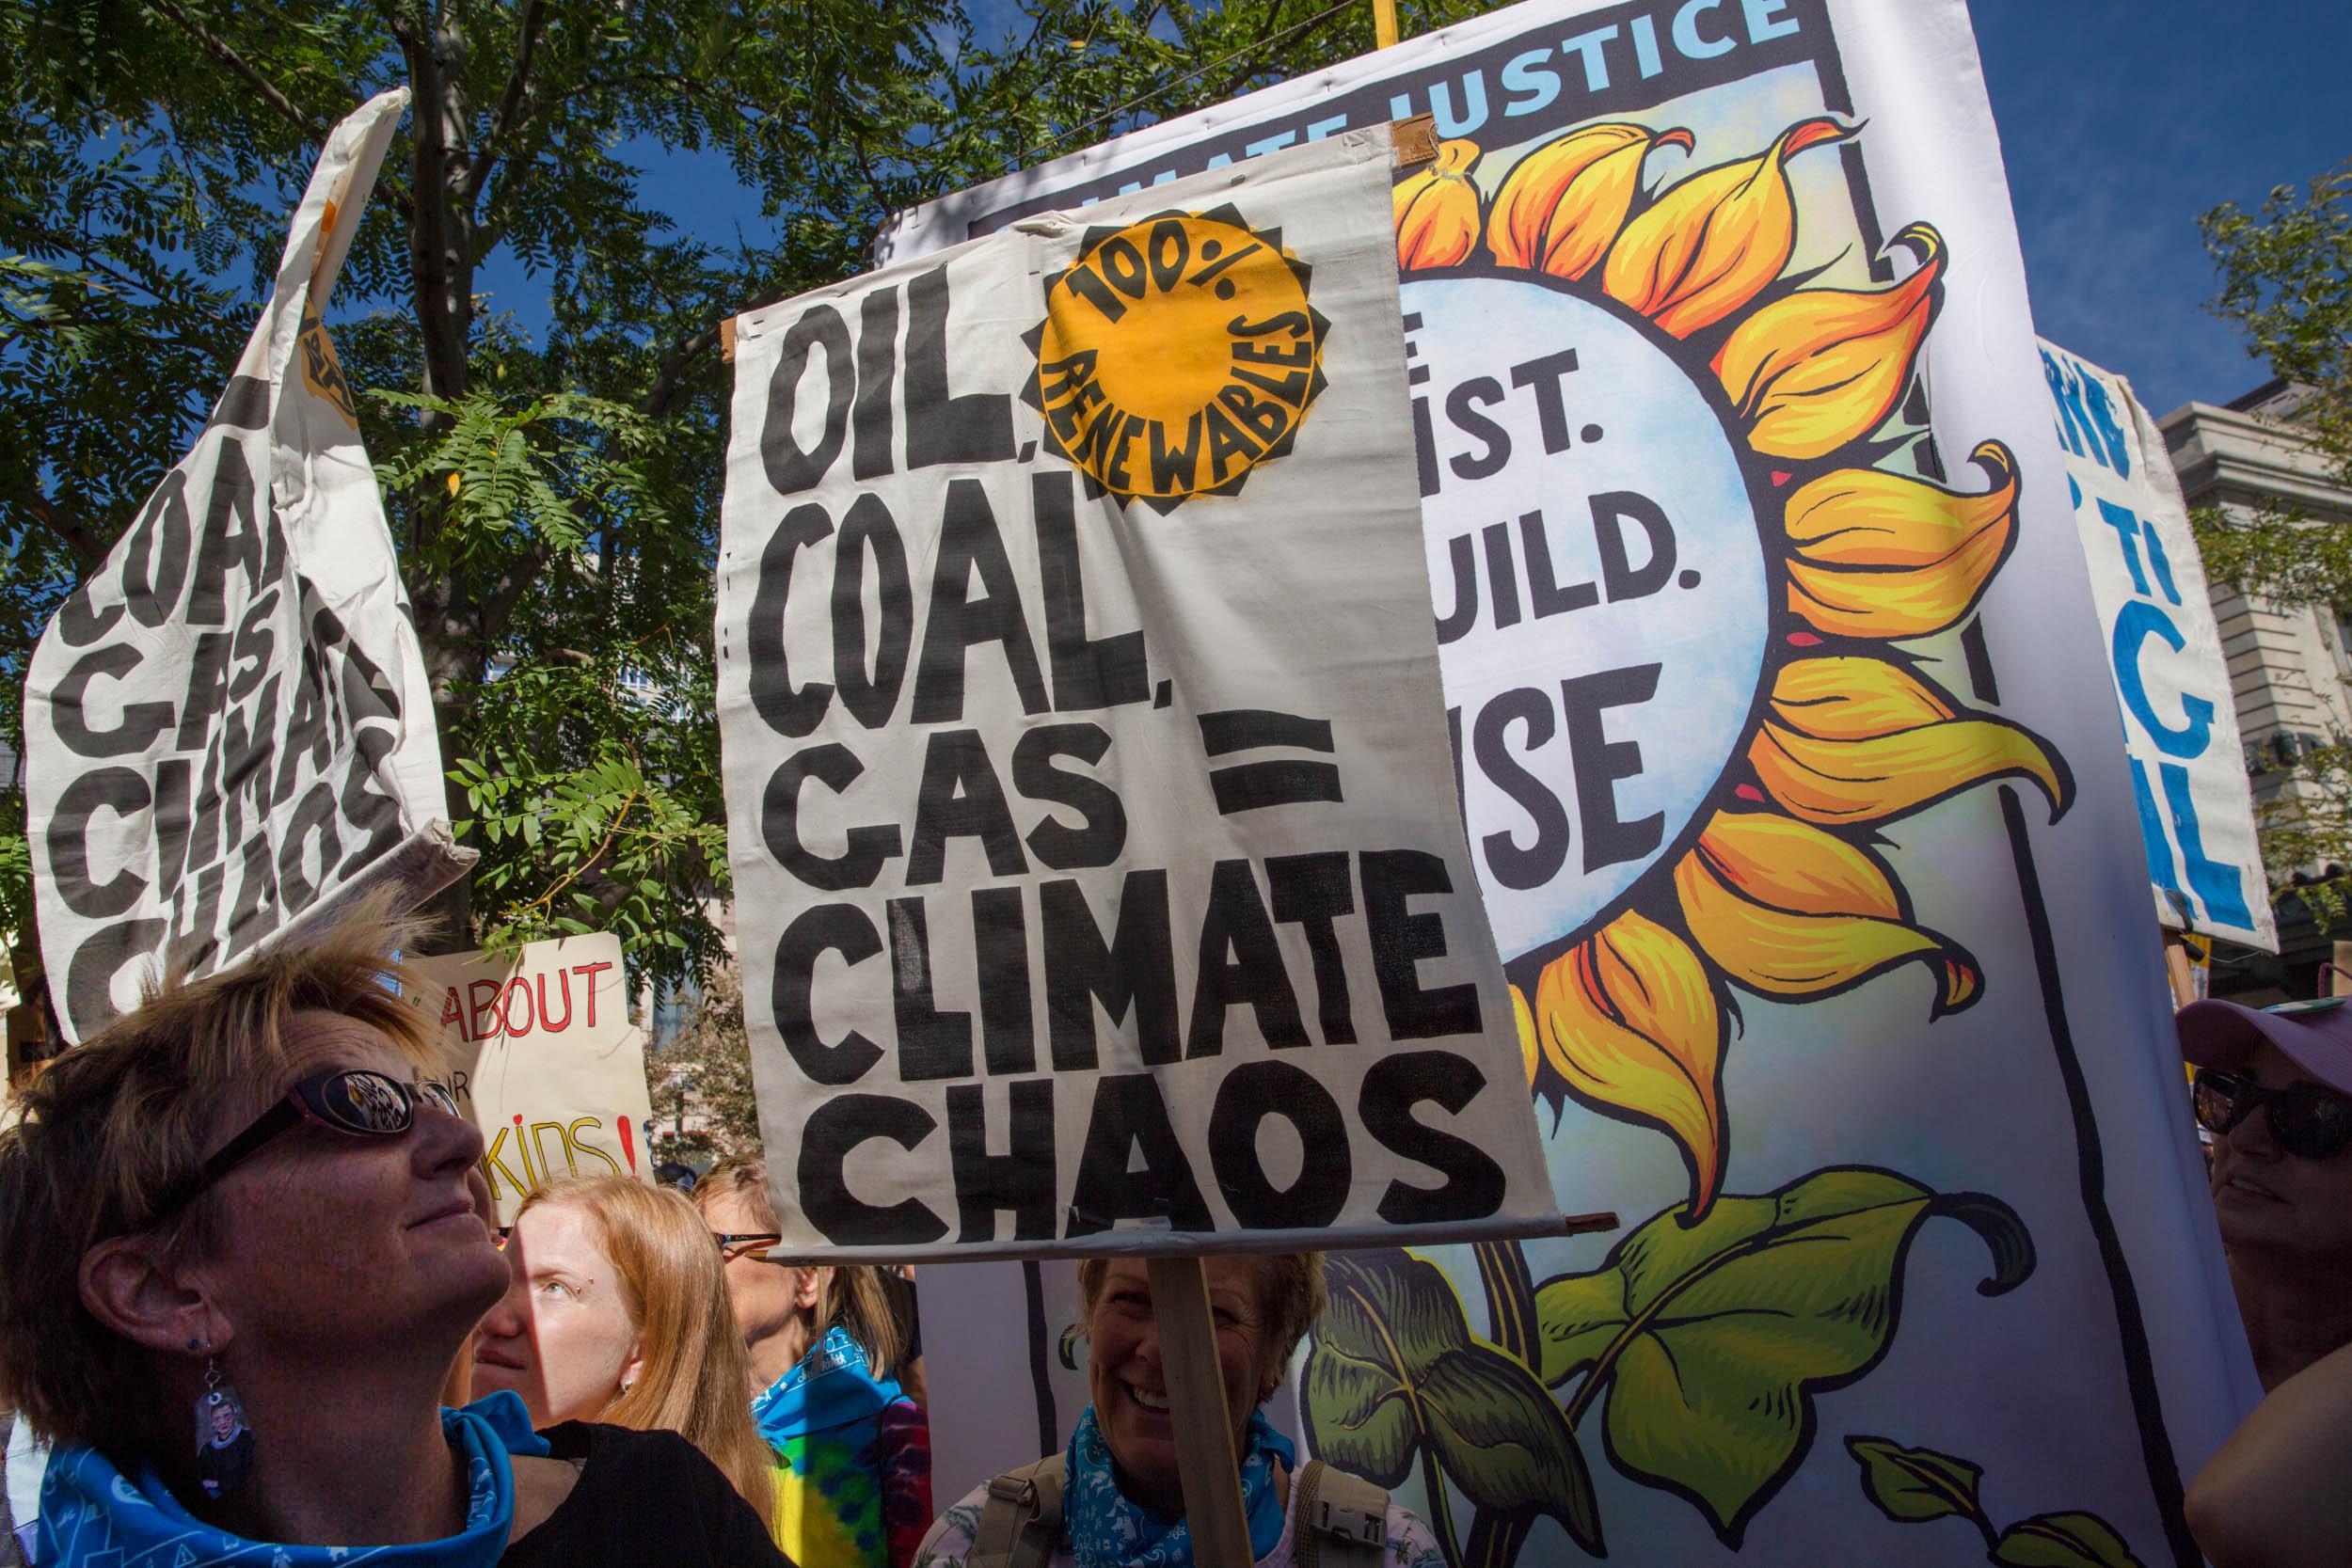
point(617, 1311)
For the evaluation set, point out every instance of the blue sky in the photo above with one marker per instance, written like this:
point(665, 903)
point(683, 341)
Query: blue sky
point(2123, 119)
point(2120, 121)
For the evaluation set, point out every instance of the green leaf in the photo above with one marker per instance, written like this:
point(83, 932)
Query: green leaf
point(1396, 1370)
point(1911, 1484)
point(2064, 1541)
point(1711, 1338)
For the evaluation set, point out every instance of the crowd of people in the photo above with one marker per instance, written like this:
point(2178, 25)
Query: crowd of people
point(255, 1310)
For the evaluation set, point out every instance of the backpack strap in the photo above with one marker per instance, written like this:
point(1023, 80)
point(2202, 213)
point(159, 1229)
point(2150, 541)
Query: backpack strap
point(1021, 1521)
point(1343, 1519)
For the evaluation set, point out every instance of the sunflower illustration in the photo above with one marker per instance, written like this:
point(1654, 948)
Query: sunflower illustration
point(1781, 886)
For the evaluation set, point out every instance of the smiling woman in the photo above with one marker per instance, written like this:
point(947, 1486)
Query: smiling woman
point(1113, 1497)
point(240, 1201)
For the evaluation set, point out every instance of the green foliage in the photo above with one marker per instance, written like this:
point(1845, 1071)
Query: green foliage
point(562, 591)
point(2286, 283)
point(1912, 1485)
point(1712, 1338)
point(2064, 1541)
point(1396, 1375)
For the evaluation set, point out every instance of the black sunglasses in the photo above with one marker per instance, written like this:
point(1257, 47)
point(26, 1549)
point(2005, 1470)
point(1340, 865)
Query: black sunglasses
point(732, 1246)
point(356, 1101)
point(2310, 1122)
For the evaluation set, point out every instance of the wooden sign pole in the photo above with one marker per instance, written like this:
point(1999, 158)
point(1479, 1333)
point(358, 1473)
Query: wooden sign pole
point(1205, 1461)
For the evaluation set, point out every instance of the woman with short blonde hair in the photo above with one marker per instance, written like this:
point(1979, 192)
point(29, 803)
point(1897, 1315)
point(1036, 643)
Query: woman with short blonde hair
point(660, 1349)
point(243, 1237)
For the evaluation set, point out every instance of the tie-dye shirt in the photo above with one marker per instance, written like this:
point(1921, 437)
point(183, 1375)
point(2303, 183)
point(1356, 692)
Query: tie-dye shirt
point(853, 1461)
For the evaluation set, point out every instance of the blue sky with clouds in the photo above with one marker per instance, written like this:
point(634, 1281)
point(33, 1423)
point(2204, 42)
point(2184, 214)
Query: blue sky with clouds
point(2120, 121)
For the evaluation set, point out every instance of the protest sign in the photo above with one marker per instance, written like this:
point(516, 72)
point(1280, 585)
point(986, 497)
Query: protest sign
point(1729, 412)
point(2180, 718)
point(1073, 649)
point(227, 728)
point(542, 1054)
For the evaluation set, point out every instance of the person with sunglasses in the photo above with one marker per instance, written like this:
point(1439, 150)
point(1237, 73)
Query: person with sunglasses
point(852, 1451)
point(2274, 1087)
point(245, 1205)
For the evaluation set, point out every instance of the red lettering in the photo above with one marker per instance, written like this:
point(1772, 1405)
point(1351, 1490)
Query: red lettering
point(589, 974)
point(547, 1014)
point(483, 996)
point(517, 987)
point(454, 1011)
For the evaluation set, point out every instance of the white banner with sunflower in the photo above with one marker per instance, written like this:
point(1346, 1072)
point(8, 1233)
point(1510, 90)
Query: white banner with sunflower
point(1788, 757)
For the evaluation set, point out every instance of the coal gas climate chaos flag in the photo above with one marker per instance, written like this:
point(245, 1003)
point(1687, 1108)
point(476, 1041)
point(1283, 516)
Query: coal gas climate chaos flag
point(1098, 876)
point(227, 729)
point(1789, 762)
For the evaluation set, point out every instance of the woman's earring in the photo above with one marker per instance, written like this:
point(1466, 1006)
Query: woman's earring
point(224, 1444)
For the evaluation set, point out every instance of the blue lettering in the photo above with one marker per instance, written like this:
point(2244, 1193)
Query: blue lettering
point(2126, 525)
point(2134, 625)
point(1274, 143)
point(1588, 45)
point(1473, 105)
point(1760, 22)
point(2152, 833)
point(1319, 129)
point(1646, 46)
point(2158, 562)
point(2119, 454)
point(2221, 887)
point(1686, 32)
point(2072, 423)
point(1530, 73)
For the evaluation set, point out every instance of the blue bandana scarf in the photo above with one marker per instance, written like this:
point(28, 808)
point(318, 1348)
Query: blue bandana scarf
point(93, 1515)
point(1107, 1530)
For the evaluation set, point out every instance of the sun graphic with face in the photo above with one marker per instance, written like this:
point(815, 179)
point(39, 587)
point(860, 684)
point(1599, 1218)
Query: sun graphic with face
point(1771, 879)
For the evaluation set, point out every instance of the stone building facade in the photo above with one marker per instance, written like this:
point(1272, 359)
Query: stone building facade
point(2290, 668)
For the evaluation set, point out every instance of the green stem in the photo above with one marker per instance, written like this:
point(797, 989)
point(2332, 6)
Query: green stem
point(1441, 1511)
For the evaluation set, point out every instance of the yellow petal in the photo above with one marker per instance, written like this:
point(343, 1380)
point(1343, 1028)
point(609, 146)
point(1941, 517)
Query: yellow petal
point(1437, 210)
point(1857, 739)
point(1531, 1051)
point(1562, 205)
point(1826, 365)
point(1791, 910)
point(1715, 240)
point(1880, 555)
point(1629, 1020)
point(453, 485)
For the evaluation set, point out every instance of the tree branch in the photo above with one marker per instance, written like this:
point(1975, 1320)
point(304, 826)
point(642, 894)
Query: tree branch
point(220, 50)
point(502, 118)
point(671, 373)
point(88, 546)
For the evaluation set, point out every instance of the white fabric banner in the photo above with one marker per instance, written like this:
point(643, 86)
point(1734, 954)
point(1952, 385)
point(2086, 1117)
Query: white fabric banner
point(1790, 762)
point(1073, 651)
point(227, 729)
point(2180, 720)
point(542, 1054)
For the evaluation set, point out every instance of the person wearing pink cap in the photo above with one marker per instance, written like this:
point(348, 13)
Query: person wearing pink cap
point(2274, 1087)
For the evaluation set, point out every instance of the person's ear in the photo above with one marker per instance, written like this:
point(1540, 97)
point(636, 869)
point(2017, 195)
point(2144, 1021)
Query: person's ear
point(634, 1367)
point(811, 1288)
point(132, 1285)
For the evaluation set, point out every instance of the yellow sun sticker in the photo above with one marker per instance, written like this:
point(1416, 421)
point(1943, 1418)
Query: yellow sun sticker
point(1177, 354)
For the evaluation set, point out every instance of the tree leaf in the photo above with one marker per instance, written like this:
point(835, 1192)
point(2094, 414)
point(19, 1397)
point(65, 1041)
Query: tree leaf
point(1712, 1338)
point(2064, 1541)
point(1911, 1484)
point(1394, 1369)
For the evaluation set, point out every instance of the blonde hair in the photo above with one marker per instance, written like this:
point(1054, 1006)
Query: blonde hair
point(113, 1126)
point(855, 1298)
point(1290, 1293)
point(697, 1375)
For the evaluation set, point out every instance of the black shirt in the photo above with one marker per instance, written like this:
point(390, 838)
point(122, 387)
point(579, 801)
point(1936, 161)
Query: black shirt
point(642, 1498)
